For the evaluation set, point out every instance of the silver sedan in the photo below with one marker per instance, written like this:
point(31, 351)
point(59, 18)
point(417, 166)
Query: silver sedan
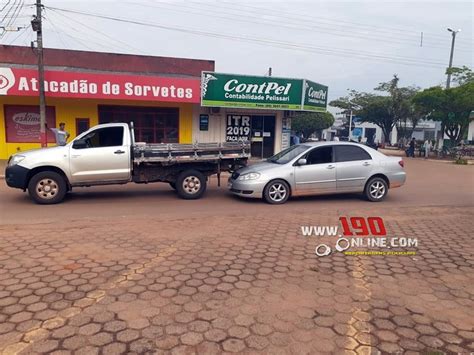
point(320, 168)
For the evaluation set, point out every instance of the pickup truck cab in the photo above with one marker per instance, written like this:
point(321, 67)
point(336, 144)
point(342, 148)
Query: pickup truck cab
point(107, 154)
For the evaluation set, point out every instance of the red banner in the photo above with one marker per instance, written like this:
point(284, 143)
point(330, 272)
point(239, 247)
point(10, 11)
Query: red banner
point(22, 123)
point(24, 82)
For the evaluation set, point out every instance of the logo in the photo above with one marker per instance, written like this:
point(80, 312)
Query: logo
point(359, 232)
point(7, 80)
point(26, 118)
point(205, 82)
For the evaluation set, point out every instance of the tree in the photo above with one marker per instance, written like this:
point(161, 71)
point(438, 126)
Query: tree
point(311, 122)
point(450, 106)
point(461, 76)
point(385, 111)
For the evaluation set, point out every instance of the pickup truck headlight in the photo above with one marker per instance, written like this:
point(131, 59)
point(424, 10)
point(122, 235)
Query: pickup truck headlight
point(16, 159)
point(249, 176)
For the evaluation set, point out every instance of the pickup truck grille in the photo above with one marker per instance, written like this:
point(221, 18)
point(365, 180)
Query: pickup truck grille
point(235, 175)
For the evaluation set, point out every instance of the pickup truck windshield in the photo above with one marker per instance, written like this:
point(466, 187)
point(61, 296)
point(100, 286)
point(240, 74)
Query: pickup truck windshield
point(288, 154)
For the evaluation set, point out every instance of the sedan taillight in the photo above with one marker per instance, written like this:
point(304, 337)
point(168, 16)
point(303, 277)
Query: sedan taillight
point(401, 163)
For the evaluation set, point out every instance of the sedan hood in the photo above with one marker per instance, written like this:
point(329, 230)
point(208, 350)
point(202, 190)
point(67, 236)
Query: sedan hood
point(258, 168)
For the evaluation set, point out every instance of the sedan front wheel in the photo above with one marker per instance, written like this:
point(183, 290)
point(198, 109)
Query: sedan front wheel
point(276, 192)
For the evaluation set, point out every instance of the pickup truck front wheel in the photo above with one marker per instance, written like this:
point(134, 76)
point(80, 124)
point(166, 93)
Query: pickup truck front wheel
point(191, 184)
point(47, 188)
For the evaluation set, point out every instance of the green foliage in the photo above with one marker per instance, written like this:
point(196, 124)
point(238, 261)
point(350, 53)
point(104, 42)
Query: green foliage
point(463, 75)
point(450, 106)
point(460, 161)
point(386, 111)
point(311, 122)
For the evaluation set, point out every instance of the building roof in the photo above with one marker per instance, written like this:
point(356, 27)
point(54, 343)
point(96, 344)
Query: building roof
point(21, 56)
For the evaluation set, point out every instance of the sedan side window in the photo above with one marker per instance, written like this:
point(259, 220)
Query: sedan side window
point(321, 155)
point(104, 137)
point(351, 153)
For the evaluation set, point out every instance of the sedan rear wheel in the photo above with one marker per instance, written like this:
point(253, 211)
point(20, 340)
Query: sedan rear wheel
point(276, 192)
point(376, 189)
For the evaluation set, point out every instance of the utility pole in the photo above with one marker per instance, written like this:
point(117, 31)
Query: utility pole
point(453, 34)
point(270, 71)
point(350, 125)
point(37, 26)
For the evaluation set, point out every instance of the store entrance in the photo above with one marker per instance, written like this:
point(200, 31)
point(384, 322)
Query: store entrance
point(262, 137)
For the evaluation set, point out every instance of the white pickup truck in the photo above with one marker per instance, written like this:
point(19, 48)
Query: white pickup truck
point(107, 154)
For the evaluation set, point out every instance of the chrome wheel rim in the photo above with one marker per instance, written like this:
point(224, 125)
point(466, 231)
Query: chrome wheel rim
point(191, 184)
point(377, 190)
point(277, 192)
point(47, 189)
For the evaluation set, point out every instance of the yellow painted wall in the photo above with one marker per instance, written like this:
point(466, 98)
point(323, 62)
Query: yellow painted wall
point(67, 110)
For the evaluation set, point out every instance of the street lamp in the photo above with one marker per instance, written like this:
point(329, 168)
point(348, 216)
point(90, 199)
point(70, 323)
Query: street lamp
point(453, 34)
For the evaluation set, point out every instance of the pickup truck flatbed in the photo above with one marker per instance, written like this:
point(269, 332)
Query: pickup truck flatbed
point(107, 154)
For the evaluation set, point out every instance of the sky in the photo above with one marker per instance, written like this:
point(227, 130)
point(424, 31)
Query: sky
point(342, 44)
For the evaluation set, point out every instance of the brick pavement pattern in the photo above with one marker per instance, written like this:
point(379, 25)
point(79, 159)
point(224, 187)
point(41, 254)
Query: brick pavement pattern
point(234, 285)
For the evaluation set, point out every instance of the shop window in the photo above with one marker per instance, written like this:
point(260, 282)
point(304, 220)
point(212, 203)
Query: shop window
point(151, 124)
point(82, 125)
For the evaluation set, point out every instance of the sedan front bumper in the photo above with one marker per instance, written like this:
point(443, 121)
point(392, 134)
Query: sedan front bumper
point(250, 188)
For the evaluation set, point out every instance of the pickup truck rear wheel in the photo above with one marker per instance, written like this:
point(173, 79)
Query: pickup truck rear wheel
point(191, 184)
point(47, 188)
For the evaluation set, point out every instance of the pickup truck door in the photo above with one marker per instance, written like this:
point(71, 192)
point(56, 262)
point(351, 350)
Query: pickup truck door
point(103, 155)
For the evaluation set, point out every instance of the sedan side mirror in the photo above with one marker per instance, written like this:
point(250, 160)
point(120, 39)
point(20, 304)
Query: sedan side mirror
point(302, 161)
point(79, 144)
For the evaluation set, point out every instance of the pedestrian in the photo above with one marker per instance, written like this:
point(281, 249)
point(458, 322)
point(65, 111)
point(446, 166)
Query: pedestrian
point(60, 134)
point(411, 148)
point(427, 148)
point(296, 139)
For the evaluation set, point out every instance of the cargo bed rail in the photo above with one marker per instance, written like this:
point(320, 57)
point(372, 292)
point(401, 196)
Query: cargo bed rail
point(174, 152)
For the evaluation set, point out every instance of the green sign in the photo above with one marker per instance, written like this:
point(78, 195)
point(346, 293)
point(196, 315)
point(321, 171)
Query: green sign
point(241, 91)
point(315, 96)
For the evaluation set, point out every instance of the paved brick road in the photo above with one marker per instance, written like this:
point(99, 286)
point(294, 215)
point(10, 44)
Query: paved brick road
point(233, 283)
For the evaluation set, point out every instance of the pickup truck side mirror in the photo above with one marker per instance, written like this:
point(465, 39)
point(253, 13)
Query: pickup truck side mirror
point(79, 144)
point(302, 161)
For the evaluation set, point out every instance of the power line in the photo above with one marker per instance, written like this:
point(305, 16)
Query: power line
point(392, 41)
point(274, 43)
point(332, 21)
point(94, 30)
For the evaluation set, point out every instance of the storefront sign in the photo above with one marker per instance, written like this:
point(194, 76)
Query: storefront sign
point(24, 82)
point(22, 123)
point(315, 96)
point(238, 128)
point(240, 91)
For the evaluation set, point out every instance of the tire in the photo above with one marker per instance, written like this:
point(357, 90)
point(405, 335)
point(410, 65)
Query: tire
point(276, 192)
point(173, 185)
point(191, 184)
point(376, 189)
point(47, 188)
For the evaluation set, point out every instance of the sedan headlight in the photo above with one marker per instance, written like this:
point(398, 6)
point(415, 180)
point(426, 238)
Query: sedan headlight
point(249, 176)
point(16, 159)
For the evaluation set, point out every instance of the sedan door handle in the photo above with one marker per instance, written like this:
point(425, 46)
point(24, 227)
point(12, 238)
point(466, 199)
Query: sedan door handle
point(330, 167)
point(366, 163)
point(119, 152)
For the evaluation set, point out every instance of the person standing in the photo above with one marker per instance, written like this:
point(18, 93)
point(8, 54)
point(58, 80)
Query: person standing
point(60, 134)
point(427, 148)
point(411, 149)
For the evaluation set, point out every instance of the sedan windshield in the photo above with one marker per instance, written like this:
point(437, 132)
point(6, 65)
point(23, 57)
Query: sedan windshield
point(288, 154)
